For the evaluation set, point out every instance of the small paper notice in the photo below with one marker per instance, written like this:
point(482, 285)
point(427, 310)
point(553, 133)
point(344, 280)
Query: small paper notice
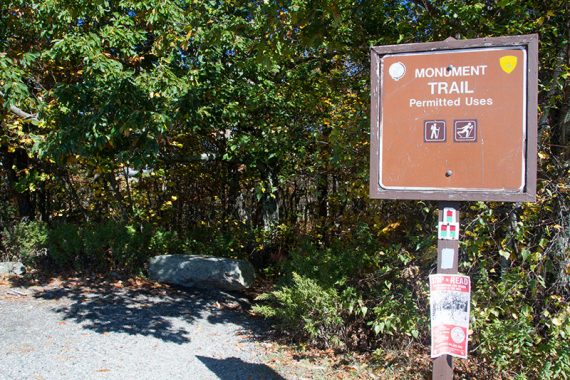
point(447, 255)
point(450, 298)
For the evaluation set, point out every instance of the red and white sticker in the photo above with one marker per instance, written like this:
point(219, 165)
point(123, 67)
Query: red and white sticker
point(449, 215)
point(450, 298)
point(448, 228)
point(448, 231)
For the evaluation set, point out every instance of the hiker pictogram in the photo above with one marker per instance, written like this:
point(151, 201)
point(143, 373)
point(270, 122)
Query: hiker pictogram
point(434, 131)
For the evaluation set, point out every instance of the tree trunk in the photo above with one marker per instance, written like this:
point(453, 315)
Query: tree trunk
point(13, 162)
point(270, 205)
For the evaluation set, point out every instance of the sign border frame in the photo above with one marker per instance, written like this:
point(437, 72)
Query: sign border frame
point(528, 194)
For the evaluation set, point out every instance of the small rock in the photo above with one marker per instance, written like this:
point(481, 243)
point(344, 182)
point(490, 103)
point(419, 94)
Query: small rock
point(12, 267)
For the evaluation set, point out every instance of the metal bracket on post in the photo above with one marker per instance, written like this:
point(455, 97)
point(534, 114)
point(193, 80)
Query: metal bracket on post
point(447, 263)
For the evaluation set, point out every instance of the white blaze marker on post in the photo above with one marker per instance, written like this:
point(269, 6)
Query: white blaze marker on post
point(447, 255)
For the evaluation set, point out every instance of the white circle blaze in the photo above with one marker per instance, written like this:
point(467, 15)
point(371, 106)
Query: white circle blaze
point(457, 335)
point(397, 70)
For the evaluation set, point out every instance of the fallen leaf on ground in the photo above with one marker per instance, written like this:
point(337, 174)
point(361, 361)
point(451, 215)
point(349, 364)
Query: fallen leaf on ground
point(118, 284)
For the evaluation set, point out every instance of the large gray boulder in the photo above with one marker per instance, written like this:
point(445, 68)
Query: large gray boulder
point(202, 271)
point(11, 267)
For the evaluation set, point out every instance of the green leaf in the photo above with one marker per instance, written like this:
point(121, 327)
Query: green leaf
point(505, 254)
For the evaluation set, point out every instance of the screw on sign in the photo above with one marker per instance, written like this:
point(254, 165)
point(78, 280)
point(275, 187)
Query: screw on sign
point(485, 91)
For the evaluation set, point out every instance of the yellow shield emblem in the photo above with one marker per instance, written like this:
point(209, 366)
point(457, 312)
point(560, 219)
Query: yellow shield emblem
point(508, 63)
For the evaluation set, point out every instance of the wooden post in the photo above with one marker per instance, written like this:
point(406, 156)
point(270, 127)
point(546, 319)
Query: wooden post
point(443, 365)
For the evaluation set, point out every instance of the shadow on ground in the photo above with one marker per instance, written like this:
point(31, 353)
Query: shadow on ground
point(150, 309)
point(235, 368)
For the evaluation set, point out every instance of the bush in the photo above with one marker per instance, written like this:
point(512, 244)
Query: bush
point(519, 333)
point(112, 246)
point(335, 264)
point(517, 347)
point(165, 242)
point(65, 245)
point(516, 256)
point(350, 294)
point(307, 310)
point(397, 314)
point(102, 247)
point(225, 239)
point(24, 241)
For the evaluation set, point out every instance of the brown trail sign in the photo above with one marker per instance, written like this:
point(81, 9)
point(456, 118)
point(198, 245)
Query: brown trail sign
point(454, 121)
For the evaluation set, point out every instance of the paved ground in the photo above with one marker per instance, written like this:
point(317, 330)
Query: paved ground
point(81, 329)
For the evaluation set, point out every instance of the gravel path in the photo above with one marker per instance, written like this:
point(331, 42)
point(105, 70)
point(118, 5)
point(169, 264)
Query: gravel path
point(77, 329)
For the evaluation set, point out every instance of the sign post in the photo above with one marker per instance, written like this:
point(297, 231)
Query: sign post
point(447, 263)
point(454, 121)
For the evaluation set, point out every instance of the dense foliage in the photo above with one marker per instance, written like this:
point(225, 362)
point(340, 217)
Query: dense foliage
point(240, 128)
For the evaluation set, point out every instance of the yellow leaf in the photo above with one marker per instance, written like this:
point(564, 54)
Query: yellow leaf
point(390, 227)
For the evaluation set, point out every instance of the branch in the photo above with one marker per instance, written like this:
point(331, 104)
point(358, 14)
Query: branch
point(561, 61)
point(427, 6)
point(23, 114)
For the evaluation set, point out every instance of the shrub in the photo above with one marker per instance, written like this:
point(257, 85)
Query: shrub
point(349, 294)
point(396, 313)
point(307, 310)
point(335, 264)
point(65, 246)
point(113, 246)
point(519, 333)
point(24, 241)
point(226, 239)
point(165, 242)
point(100, 247)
